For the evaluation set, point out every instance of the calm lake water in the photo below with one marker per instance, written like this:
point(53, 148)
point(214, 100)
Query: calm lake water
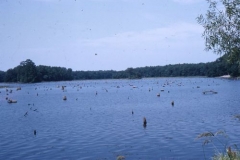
point(101, 126)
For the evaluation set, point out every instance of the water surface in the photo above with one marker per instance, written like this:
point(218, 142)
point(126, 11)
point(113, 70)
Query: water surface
point(96, 120)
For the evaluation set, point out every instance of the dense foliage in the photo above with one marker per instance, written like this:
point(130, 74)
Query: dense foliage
point(2, 76)
point(28, 72)
point(222, 26)
point(47, 73)
point(212, 69)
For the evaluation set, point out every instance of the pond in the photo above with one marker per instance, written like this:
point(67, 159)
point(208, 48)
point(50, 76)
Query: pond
point(103, 119)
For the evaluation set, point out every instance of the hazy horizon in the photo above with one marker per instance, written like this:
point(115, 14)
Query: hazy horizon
point(93, 35)
point(107, 69)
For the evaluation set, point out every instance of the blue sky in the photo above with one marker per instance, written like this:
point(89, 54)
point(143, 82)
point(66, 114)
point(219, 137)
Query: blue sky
point(101, 34)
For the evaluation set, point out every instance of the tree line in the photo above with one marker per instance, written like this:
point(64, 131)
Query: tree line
point(28, 72)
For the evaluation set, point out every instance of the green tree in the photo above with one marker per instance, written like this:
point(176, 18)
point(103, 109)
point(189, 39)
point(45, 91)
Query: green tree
point(133, 73)
point(222, 29)
point(27, 72)
point(48, 73)
point(11, 75)
point(2, 76)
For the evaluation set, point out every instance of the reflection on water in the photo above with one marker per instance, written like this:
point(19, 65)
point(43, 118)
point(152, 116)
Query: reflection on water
point(104, 119)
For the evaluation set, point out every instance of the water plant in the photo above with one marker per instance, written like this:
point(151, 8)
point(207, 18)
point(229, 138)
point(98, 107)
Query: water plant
point(35, 132)
point(144, 122)
point(227, 153)
point(120, 158)
point(237, 116)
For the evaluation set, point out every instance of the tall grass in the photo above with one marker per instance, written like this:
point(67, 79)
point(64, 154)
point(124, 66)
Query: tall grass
point(227, 153)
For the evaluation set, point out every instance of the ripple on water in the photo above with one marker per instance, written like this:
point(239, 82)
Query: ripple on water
point(102, 126)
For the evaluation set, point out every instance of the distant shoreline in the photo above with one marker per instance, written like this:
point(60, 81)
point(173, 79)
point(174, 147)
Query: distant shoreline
point(229, 77)
point(6, 84)
point(28, 72)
